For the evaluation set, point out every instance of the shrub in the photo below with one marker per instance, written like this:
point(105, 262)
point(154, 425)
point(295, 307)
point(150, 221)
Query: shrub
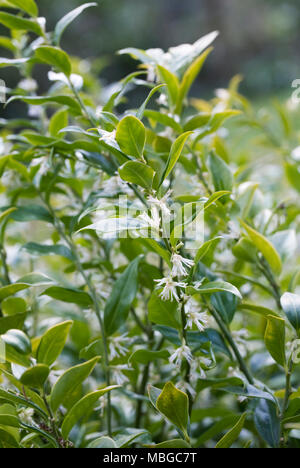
point(149, 256)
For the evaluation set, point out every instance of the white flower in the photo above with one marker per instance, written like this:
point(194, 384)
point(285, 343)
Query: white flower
point(35, 111)
point(179, 263)
point(152, 221)
point(161, 204)
point(240, 337)
point(187, 388)
point(197, 371)
point(117, 374)
point(76, 80)
point(113, 185)
point(42, 22)
point(108, 137)
point(182, 353)
point(116, 346)
point(194, 317)
point(296, 154)
point(26, 416)
point(169, 291)
point(28, 84)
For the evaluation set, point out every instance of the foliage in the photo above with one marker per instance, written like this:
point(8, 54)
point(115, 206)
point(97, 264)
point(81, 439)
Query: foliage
point(113, 338)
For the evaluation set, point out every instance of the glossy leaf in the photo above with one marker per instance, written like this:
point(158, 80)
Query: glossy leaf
point(68, 381)
point(53, 342)
point(121, 298)
point(29, 6)
point(131, 136)
point(174, 405)
point(267, 422)
point(36, 376)
point(265, 247)
point(291, 307)
point(175, 154)
point(82, 408)
point(55, 57)
point(137, 173)
point(68, 19)
point(233, 434)
point(275, 339)
point(163, 312)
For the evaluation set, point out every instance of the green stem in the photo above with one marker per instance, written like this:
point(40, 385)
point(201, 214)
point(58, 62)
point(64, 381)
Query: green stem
point(93, 294)
point(226, 332)
point(267, 272)
point(4, 265)
point(287, 394)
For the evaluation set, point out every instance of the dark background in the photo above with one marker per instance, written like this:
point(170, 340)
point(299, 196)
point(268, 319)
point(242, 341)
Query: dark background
point(258, 38)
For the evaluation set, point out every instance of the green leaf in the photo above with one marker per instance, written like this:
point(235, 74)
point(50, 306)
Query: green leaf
point(174, 405)
point(102, 443)
point(29, 6)
point(265, 247)
point(140, 112)
point(137, 173)
point(55, 57)
point(145, 356)
point(215, 197)
point(163, 312)
point(31, 213)
point(233, 434)
point(131, 136)
point(8, 416)
point(61, 100)
point(35, 279)
point(213, 287)
point(58, 121)
point(82, 409)
point(221, 173)
point(267, 422)
point(40, 249)
point(20, 24)
point(263, 311)
point(127, 436)
point(7, 440)
point(122, 297)
point(163, 119)
point(15, 321)
point(175, 154)
point(11, 289)
point(53, 342)
point(22, 401)
point(203, 250)
point(36, 376)
point(68, 19)
point(293, 176)
point(72, 296)
point(15, 357)
point(275, 339)
point(225, 304)
point(291, 307)
point(245, 250)
point(172, 83)
point(189, 77)
point(69, 381)
point(17, 340)
point(170, 444)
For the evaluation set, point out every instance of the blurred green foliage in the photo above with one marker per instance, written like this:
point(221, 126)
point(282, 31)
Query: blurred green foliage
point(261, 35)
